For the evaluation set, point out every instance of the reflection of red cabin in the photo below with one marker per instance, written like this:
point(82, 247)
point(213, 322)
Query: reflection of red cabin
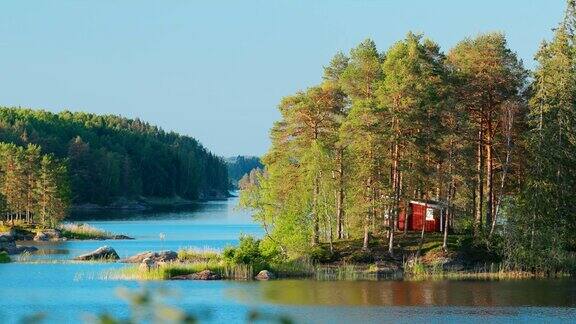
point(429, 213)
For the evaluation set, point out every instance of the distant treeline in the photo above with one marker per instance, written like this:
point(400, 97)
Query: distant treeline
point(109, 157)
point(240, 166)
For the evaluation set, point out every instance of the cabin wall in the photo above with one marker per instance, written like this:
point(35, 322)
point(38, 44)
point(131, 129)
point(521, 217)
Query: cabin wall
point(415, 218)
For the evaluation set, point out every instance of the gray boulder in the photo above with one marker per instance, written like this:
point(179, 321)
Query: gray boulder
point(121, 237)
point(101, 253)
point(11, 248)
point(8, 246)
point(48, 235)
point(9, 236)
point(162, 256)
point(264, 275)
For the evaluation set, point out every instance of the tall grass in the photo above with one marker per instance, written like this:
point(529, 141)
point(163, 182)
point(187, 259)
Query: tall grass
point(83, 232)
point(169, 270)
point(416, 270)
point(199, 255)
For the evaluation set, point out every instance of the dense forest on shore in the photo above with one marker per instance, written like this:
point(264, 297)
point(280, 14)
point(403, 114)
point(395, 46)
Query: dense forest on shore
point(111, 157)
point(471, 129)
point(240, 166)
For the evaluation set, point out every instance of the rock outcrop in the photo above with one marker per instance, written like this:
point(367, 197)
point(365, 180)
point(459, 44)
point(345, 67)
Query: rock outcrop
point(265, 275)
point(8, 244)
point(162, 256)
point(121, 237)
point(202, 275)
point(101, 253)
point(48, 235)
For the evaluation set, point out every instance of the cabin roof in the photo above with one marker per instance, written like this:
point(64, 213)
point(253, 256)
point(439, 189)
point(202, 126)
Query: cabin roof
point(429, 203)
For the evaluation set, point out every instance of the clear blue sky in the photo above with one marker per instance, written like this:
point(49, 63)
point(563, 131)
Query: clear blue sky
point(216, 70)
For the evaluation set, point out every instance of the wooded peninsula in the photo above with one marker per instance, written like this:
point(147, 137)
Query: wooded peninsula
point(486, 146)
point(52, 160)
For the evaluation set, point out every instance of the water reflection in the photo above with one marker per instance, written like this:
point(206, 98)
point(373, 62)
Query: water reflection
point(554, 293)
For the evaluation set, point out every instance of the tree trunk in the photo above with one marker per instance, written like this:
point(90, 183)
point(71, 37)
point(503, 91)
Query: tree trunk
point(421, 239)
point(489, 176)
point(367, 220)
point(315, 223)
point(340, 197)
point(509, 125)
point(448, 214)
point(396, 190)
point(479, 185)
point(366, 241)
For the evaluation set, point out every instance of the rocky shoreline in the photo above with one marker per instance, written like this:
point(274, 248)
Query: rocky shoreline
point(9, 240)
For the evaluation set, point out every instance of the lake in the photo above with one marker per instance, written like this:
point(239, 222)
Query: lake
point(68, 292)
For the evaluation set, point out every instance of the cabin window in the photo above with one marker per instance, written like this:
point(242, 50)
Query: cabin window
point(429, 214)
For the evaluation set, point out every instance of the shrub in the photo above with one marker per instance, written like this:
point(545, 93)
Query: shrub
point(248, 252)
point(361, 257)
point(322, 255)
point(480, 250)
point(4, 258)
point(271, 252)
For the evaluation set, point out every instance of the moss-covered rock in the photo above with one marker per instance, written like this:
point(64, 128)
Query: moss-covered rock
point(4, 257)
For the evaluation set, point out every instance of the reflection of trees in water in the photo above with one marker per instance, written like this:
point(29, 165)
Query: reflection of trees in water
point(406, 293)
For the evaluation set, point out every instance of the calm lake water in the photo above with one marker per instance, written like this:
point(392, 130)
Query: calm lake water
point(69, 292)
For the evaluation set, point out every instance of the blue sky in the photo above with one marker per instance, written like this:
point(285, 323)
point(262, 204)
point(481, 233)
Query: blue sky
point(216, 70)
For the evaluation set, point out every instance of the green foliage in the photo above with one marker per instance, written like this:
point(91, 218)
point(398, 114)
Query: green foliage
point(476, 250)
point(248, 252)
point(33, 186)
point(321, 254)
point(111, 157)
point(240, 166)
point(4, 257)
point(541, 220)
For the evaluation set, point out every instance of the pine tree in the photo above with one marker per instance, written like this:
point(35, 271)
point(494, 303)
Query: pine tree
point(542, 224)
point(490, 77)
point(51, 192)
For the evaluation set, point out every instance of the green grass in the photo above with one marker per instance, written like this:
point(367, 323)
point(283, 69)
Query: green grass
point(416, 270)
point(199, 255)
point(83, 232)
point(294, 269)
point(169, 270)
point(4, 257)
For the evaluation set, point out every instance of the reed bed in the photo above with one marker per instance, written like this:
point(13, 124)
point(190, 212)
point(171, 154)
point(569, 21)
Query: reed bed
point(168, 270)
point(494, 271)
point(83, 232)
point(205, 254)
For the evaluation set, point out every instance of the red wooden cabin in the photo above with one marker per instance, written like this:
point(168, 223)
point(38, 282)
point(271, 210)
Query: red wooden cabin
point(421, 212)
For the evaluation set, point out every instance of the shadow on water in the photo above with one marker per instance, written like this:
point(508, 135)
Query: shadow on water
point(542, 293)
point(125, 214)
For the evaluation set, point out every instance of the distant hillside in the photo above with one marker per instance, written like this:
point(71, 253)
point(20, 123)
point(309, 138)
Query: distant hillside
point(238, 166)
point(111, 157)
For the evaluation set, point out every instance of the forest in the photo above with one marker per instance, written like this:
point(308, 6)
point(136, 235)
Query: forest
point(33, 186)
point(471, 129)
point(240, 166)
point(106, 158)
